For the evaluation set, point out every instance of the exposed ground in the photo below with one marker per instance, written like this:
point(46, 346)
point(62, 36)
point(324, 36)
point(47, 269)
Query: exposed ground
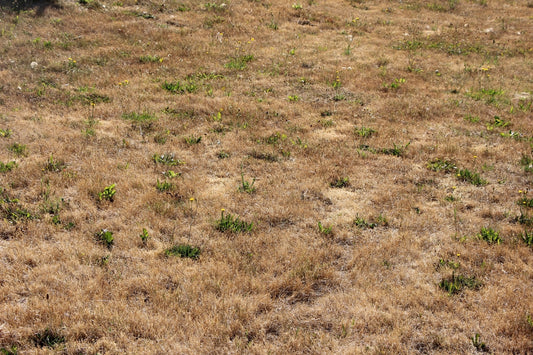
point(378, 153)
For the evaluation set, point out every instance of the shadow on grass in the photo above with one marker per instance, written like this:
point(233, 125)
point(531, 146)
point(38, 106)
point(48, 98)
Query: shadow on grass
point(21, 5)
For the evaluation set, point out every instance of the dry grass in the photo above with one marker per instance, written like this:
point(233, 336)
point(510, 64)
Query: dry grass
point(287, 96)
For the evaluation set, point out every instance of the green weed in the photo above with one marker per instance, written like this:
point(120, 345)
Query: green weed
point(183, 251)
point(49, 338)
point(441, 165)
point(489, 235)
point(246, 186)
point(478, 344)
point(19, 149)
point(340, 182)
point(6, 167)
point(177, 87)
point(191, 140)
point(54, 165)
point(396, 151)
point(293, 98)
point(527, 237)
point(456, 284)
point(4, 133)
point(163, 186)
point(497, 123)
point(144, 236)
point(471, 177)
point(527, 163)
point(360, 222)
point(167, 159)
point(472, 119)
point(150, 59)
point(448, 264)
point(525, 202)
point(105, 237)
point(12, 350)
point(108, 193)
point(144, 119)
point(364, 132)
point(323, 229)
point(230, 223)
point(239, 63)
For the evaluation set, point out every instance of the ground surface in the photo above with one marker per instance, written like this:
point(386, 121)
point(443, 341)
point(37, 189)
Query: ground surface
point(346, 135)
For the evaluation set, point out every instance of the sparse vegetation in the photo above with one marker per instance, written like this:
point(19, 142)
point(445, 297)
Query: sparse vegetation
point(359, 145)
point(230, 223)
point(183, 251)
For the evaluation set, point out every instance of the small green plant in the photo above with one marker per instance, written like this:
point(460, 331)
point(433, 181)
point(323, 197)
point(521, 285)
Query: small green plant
point(6, 167)
point(171, 174)
point(19, 149)
point(54, 165)
point(144, 236)
point(364, 132)
point(472, 119)
point(525, 202)
point(105, 237)
point(360, 222)
point(4, 133)
point(441, 165)
point(455, 284)
point(193, 140)
point(12, 350)
point(163, 186)
point(478, 344)
point(448, 264)
point(497, 123)
point(340, 182)
point(323, 229)
point(293, 98)
point(145, 118)
point(246, 186)
point(395, 85)
point(239, 62)
point(108, 193)
point(529, 320)
point(396, 151)
point(489, 235)
point(471, 177)
point(223, 155)
point(183, 251)
point(167, 159)
point(527, 237)
point(230, 223)
point(527, 163)
point(150, 59)
point(49, 338)
point(297, 6)
point(178, 87)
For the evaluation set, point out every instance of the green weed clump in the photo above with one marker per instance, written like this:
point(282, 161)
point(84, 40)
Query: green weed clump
point(239, 62)
point(105, 237)
point(456, 284)
point(527, 163)
point(441, 165)
point(49, 338)
point(4, 133)
point(527, 237)
point(326, 230)
point(471, 177)
point(53, 165)
point(178, 87)
point(340, 182)
point(396, 150)
point(364, 132)
point(19, 149)
point(108, 193)
point(183, 251)
point(489, 235)
point(230, 223)
point(6, 167)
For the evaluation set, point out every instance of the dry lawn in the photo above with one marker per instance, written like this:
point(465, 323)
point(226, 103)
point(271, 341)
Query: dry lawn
point(318, 121)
